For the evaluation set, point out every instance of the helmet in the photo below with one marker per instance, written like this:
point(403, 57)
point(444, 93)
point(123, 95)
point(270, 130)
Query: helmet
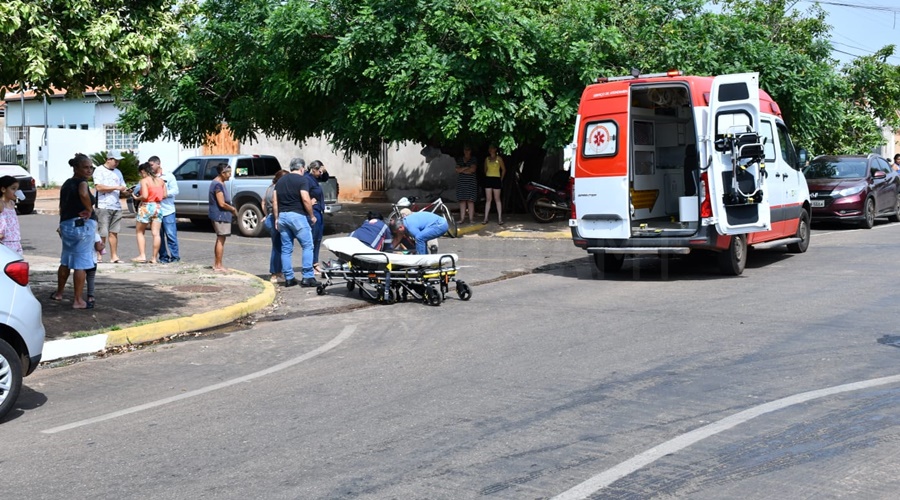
point(403, 202)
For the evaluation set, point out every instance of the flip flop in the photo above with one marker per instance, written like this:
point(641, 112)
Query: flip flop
point(117, 261)
point(138, 261)
point(53, 297)
point(90, 302)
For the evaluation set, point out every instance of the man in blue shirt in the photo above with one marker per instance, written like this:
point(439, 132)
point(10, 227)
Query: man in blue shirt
point(421, 227)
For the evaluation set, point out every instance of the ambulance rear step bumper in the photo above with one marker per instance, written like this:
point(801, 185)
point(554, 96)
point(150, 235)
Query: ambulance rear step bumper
point(640, 250)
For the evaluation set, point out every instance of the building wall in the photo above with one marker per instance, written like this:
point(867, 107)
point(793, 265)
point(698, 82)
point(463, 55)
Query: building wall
point(60, 112)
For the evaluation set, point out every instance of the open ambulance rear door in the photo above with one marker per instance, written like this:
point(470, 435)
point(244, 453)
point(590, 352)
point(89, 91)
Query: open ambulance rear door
point(601, 187)
point(735, 158)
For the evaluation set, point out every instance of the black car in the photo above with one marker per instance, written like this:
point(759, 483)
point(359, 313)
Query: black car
point(26, 184)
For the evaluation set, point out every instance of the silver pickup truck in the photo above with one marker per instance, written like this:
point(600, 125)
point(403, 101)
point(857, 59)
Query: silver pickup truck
point(252, 174)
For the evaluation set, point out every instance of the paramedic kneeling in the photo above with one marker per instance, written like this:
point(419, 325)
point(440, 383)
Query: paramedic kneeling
point(376, 234)
point(421, 227)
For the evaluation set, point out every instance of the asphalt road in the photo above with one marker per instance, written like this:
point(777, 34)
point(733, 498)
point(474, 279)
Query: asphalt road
point(667, 381)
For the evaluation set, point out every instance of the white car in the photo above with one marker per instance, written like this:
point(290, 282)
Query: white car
point(21, 328)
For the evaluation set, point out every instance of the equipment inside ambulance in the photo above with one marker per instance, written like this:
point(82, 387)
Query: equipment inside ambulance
point(667, 164)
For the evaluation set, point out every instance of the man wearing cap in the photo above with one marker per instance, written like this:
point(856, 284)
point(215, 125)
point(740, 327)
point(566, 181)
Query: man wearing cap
point(110, 187)
point(421, 227)
point(291, 205)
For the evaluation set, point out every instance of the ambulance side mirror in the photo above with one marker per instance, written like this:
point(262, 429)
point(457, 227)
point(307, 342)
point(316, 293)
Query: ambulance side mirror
point(802, 158)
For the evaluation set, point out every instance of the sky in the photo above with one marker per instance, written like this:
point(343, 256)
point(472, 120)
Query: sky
point(860, 27)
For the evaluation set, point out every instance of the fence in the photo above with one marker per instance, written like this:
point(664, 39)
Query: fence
point(9, 136)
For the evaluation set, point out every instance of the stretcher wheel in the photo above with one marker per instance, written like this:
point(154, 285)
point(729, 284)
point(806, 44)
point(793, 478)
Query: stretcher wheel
point(432, 297)
point(463, 290)
point(350, 286)
point(320, 289)
point(404, 295)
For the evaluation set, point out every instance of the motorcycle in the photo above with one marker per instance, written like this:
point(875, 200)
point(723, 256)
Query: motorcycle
point(546, 203)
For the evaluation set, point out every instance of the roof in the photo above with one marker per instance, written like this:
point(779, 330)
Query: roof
point(53, 93)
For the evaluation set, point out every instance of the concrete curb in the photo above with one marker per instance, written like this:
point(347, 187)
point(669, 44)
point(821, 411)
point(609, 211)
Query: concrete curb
point(57, 349)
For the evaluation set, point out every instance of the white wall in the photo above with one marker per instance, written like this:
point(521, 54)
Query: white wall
point(62, 144)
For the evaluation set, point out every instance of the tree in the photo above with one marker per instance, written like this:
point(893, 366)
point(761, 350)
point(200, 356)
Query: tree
point(444, 72)
point(438, 72)
point(79, 44)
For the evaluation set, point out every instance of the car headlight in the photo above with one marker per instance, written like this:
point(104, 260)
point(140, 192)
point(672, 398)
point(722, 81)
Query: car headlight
point(850, 191)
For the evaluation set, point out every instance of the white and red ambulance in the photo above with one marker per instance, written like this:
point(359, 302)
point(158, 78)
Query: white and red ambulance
point(667, 164)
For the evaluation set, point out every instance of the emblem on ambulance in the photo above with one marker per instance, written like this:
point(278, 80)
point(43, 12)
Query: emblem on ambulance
point(600, 139)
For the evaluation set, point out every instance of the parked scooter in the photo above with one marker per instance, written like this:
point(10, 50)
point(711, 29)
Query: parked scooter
point(548, 203)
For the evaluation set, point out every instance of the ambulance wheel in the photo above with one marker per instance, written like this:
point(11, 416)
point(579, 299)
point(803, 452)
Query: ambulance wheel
point(350, 286)
point(803, 233)
point(733, 260)
point(320, 290)
point(463, 290)
point(404, 295)
point(609, 262)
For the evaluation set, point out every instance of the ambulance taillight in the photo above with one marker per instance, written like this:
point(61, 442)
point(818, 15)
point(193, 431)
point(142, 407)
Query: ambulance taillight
point(705, 204)
point(571, 188)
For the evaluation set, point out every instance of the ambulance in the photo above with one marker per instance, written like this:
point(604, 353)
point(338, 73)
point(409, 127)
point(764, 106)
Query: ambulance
point(667, 164)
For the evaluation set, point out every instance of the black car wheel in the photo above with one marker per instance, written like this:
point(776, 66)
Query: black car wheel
point(25, 209)
point(10, 377)
point(868, 221)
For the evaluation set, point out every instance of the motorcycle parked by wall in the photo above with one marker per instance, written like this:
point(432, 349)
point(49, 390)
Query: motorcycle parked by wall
point(548, 203)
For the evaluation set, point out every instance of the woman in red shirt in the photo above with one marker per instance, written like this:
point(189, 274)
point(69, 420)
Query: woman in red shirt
point(151, 193)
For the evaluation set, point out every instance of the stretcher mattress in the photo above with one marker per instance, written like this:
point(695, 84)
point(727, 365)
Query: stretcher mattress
point(348, 246)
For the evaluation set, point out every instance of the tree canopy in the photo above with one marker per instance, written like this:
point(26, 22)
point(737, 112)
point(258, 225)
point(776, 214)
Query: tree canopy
point(74, 45)
point(443, 72)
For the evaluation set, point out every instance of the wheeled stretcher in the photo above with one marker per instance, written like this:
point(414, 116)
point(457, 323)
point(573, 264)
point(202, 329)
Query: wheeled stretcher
point(389, 277)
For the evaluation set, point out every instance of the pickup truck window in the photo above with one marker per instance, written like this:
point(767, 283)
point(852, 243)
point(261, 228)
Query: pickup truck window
point(189, 170)
point(264, 167)
point(244, 168)
point(211, 167)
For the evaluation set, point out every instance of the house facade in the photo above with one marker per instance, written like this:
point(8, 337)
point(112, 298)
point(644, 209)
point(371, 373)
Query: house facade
point(44, 133)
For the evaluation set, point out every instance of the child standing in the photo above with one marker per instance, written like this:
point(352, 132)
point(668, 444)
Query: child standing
point(10, 236)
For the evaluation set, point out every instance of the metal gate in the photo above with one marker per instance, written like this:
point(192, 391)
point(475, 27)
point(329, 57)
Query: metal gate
point(375, 170)
point(9, 136)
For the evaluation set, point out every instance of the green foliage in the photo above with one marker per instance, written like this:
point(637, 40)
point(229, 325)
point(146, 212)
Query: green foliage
point(127, 165)
point(78, 44)
point(444, 72)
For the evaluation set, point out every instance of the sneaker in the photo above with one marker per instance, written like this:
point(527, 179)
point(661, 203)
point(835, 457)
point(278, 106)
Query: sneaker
point(291, 282)
point(309, 282)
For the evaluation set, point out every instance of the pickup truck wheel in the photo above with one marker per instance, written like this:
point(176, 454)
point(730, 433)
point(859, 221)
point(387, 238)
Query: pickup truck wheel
point(10, 377)
point(250, 220)
point(25, 209)
point(733, 260)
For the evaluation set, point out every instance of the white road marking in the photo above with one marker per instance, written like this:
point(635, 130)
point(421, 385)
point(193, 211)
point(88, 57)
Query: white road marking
point(344, 335)
point(609, 476)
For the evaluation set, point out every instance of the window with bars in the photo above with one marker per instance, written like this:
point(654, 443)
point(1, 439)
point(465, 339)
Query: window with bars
point(118, 139)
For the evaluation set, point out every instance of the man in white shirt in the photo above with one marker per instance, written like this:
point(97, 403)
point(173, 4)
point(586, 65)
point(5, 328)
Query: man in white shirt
point(110, 187)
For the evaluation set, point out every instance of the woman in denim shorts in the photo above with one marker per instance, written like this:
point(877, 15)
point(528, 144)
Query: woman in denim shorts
point(76, 228)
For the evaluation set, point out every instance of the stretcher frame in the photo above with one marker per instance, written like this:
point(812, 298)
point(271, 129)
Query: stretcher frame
point(380, 280)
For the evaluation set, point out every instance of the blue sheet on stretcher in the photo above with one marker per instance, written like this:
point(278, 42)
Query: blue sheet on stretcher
point(348, 247)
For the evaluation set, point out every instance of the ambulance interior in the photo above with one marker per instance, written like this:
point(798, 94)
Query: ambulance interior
point(664, 168)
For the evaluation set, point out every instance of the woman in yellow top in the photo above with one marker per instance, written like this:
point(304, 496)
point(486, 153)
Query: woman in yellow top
point(494, 171)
